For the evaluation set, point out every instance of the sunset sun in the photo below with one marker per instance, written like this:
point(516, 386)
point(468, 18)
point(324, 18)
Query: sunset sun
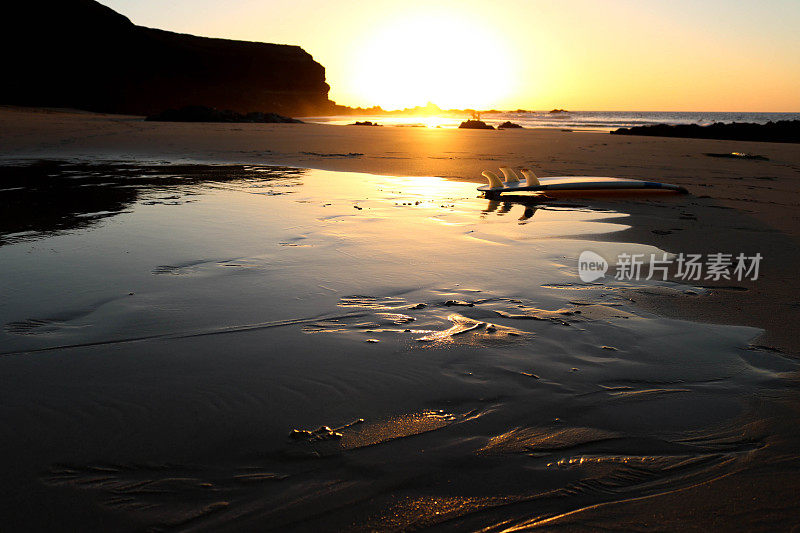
point(451, 61)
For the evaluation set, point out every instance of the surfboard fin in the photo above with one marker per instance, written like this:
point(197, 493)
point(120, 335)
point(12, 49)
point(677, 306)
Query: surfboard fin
point(510, 175)
point(530, 178)
point(494, 181)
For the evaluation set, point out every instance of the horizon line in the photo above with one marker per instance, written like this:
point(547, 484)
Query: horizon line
point(576, 110)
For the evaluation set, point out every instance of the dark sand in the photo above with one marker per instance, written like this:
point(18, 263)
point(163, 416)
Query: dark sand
point(255, 291)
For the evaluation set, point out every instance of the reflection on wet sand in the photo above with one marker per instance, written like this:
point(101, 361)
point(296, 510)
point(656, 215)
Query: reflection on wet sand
point(368, 353)
point(44, 197)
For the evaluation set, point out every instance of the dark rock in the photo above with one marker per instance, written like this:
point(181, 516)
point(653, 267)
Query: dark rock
point(269, 118)
point(81, 54)
point(475, 125)
point(300, 434)
point(209, 114)
point(508, 125)
point(364, 123)
point(739, 155)
point(787, 131)
point(451, 303)
point(321, 154)
point(556, 111)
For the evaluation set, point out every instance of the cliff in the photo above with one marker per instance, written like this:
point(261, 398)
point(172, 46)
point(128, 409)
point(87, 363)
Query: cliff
point(79, 53)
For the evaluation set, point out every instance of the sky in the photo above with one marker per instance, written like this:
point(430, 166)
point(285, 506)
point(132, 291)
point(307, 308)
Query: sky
point(644, 55)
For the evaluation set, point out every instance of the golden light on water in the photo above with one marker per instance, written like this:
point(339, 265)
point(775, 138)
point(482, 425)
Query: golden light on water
point(433, 121)
point(442, 58)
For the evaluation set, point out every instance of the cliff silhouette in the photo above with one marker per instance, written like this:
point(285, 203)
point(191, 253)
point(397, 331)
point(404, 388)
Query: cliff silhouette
point(82, 54)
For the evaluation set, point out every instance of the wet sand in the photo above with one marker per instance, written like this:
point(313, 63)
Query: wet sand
point(152, 378)
point(735, 205)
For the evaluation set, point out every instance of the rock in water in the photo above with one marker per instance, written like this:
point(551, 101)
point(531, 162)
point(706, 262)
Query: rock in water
point(475, 125)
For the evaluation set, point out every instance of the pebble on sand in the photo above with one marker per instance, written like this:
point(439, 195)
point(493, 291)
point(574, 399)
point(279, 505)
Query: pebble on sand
point(450, 303)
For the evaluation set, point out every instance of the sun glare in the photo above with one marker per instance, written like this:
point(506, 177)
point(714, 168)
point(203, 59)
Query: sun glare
point(437, 58)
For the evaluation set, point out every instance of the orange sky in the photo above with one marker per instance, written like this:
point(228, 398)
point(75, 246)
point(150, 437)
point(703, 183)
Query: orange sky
point(644, 55)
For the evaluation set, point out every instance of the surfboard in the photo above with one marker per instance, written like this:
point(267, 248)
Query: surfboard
point(566, 183)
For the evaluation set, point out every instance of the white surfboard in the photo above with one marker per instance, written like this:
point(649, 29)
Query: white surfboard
point(533, 183)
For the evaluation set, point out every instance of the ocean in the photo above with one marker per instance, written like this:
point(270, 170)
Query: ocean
point(580, 120)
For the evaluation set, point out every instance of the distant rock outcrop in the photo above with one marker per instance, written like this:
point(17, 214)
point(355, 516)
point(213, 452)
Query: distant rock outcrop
point(785, 131)
point(558, 111)
point(79, 53)
point(739, 155)
point(508, 125)
point(475, 125)
point(209, 114)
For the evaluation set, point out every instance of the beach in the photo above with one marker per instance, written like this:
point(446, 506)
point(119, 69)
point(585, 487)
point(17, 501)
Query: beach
point(221, 286)
point(738, 203)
